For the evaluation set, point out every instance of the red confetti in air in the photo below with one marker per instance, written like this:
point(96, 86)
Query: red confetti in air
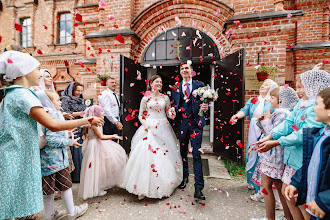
point(81, 63)
point(39, 51)
point(306, 206)
point(78, 17)
point(90, 165)
point(239, 143)
point(18, 27)
point(295, 128)
point(45, 27)
point(325, 62)
point(75, 24)
point(0, 38)
point(9, 60)
point(120, 39)
point(254, 100)
point(129, 117)
point(136, 124)
point(134, 186)
point(264, 191)
point(58, 16)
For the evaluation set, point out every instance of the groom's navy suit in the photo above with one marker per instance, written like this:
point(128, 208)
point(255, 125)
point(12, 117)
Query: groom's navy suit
point(190, 127)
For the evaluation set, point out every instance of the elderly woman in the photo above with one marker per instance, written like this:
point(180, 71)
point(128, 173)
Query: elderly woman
point(253, 108)
point(72, 102)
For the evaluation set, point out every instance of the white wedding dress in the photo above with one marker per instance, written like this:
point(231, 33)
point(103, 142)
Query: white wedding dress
point(154, 168)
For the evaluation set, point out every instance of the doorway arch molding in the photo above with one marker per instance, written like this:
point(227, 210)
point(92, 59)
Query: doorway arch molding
point(198, 14)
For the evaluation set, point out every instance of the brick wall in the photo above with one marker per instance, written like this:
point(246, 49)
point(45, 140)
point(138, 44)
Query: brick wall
point(268, 37)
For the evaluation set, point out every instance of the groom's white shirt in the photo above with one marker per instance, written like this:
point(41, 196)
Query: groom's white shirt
point(184, 87)
point(109, 104)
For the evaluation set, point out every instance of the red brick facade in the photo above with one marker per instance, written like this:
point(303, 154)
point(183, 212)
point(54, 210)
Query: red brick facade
point(280, 40)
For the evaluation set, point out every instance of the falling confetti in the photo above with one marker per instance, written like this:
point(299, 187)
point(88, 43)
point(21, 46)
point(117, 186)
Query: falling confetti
point(78, 17)
point(120, 38)
point(295, 128)
point(102, 4)
point(254, 100)
point(110, 17)
point(9, 60)
point(324, 61)
point(39, 51)
point(18, 27)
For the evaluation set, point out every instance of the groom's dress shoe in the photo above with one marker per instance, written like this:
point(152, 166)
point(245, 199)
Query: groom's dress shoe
point(199, 195)
point(183, 184)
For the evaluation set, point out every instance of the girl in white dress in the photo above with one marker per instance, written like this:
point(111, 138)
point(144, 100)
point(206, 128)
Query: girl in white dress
point(154, 167)
point(103, 160)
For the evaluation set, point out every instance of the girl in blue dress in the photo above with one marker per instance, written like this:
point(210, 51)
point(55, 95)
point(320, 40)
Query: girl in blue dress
point(20, 112)
point(254, 108)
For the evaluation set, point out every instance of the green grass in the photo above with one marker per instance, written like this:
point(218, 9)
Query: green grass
point(234, 169)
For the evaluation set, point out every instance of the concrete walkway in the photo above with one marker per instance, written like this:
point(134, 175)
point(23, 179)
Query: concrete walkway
point(225, 199)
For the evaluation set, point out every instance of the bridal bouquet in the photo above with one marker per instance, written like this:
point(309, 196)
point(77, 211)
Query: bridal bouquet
point(206, 95)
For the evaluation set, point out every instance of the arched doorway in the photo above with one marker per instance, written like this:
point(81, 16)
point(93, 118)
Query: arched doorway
point(163, 56)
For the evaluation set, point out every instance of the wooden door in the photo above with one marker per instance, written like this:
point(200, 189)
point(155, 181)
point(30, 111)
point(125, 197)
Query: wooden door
point(133, 81)
point(229, 78)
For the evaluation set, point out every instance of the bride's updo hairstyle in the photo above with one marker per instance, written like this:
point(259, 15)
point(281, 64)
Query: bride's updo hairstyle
point(151, 80)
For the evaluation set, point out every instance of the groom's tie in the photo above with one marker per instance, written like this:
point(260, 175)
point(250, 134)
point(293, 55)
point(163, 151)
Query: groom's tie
point(187, 89)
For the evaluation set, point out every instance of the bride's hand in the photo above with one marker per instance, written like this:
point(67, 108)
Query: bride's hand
point(146, 128)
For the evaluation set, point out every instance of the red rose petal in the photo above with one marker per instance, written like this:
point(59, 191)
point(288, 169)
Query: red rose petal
point(9, 60)
point(18, 27)
point(295, 128)
point(78, 17)
point(306, 206)
point(325, 62)
point(264, 191)
point(90, 165)
point(39, 51)
point(0, 38)
point(120, 38)
point(134, 186)
point(129, 117)
point(254, 100)
point(136, 124)
point(90, 120)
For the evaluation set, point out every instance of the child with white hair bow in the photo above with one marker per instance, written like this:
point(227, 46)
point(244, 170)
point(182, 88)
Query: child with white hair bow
point(20, 112)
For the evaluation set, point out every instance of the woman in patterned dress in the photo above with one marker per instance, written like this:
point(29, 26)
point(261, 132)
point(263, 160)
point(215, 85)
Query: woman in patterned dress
point(20, 110)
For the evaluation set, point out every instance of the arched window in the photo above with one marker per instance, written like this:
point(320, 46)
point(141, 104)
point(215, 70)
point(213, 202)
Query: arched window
point(184, 43)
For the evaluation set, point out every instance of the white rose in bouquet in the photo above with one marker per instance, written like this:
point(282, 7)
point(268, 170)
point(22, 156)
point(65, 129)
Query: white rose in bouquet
point(207, 94)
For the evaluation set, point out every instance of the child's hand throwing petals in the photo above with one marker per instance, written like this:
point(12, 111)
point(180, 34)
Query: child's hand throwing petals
point(291, 192)
point(268, 114)
point(316, 210)
point(75, 143)
point(233, 120)
point(116, 136)
point(96, 121)
point(266, 146)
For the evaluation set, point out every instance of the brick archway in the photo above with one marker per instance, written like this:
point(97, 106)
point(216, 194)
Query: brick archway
point(206, 16)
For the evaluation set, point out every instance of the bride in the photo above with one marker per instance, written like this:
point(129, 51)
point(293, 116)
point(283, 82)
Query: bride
point(154, 167)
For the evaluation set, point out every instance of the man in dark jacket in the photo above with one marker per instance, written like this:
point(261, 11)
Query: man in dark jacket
point(311, 183)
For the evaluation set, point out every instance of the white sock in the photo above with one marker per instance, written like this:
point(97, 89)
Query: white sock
point(49, 205)
point(67, 198)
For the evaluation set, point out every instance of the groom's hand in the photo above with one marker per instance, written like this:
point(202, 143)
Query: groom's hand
point(119, 125)
point(204, 107)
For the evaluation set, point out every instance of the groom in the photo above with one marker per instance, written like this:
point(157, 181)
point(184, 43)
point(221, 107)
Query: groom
point(190, 127)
